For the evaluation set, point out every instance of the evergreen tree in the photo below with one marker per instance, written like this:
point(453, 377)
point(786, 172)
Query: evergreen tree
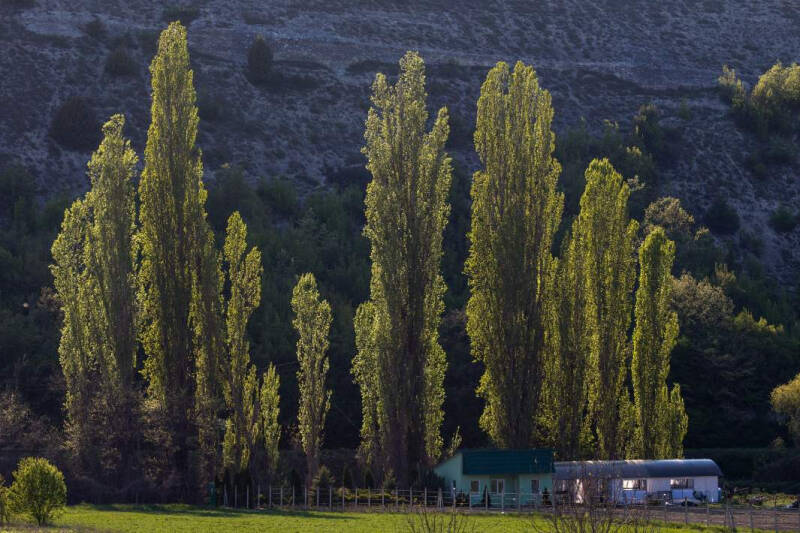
point(175, 257)
point(312, 322)
point(607, 240)
point(406, 212)
point(241, 387)
point(654, 336)
point(515, 213)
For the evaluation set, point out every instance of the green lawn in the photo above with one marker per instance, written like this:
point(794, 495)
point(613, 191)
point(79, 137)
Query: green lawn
point(184, 518)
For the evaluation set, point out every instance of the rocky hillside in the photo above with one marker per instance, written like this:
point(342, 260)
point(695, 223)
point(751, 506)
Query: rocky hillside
point(601, 59)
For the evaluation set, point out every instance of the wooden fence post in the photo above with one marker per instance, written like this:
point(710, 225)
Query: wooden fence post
point(369, 497)
point(270, 496)
point(236, 496)
point(258, 496)
point(330, 498)
point(342, 497)
point(281, 504)
point(248, 496)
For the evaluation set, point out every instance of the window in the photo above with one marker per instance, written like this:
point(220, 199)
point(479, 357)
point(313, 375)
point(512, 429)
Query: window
point(681, 483)
point(634, 484)
point(474, 486)
point(497, 486)
point(534, 486)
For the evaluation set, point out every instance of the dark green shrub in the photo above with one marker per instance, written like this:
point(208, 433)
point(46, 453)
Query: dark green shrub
point(324, 479)
point(722, 218)
point(754, 162)
point(280, 196)
point(38, 490)
point(75, 125)
point(95, 29)
point(210, 107)
point(120, 63)
point(779, 150)
point(183, 13)
point(259, 61)
point(782, 220)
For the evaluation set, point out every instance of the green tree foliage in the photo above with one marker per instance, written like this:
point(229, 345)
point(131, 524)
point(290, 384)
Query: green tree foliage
point(270, 409)
point(177, 270)
point(5, 503)
point(660, 421)
point(406, 212)
point(695, 249)
point(38, 490)
point(75, 351)
point(743, 357)
point(93, 277)
point(785, 401)
point(515, 213)
point(605, 238)
point(312, 322)
point(776, 96)
point(732, 88)
point(241, 387)
point(259, 61)
point(773, 103)
point(569, 344)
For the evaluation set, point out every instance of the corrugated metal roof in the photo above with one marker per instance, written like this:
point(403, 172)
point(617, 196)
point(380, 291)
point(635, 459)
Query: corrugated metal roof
point(633, 469)
point(496, 461)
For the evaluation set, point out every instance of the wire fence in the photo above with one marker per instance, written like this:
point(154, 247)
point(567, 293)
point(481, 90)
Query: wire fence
point(339, 499)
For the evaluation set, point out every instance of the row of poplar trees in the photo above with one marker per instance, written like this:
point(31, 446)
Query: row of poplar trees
point(147, 288)
point(151, 284)
point(553, 332)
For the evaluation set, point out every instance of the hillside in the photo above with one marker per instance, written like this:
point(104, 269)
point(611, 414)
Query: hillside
point(600, 59)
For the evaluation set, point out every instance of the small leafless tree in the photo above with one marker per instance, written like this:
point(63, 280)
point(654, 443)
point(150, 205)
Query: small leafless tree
point(424, 520)
point(591, 504)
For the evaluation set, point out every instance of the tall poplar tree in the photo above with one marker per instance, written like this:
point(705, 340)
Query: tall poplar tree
point(606, 238)
point(241, 387)
point(175, 257)
point(93, 274)
point(565, 415)
point(654, 336)
point(406, 212)
point(269, 410)
point(516, 211)
point(75, 349)
point(110, 286)
point(312, 322)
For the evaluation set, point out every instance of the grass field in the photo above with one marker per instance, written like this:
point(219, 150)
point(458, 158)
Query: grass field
point(184, 518)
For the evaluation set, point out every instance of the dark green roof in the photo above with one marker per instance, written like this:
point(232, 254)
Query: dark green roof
point(495, 461)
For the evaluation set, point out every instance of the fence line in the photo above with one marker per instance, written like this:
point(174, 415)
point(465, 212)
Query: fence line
point(380, 500)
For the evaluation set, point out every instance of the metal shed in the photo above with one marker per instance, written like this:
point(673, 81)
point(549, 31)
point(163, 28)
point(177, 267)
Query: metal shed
point(639, 480)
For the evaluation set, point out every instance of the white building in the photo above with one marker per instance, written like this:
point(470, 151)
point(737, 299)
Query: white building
point(636, 481)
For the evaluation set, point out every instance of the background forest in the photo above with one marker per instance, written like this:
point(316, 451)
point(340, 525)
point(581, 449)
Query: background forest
point(738, 321)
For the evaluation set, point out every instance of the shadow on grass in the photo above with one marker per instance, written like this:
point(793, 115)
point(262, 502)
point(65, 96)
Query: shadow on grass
point(196, 511)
